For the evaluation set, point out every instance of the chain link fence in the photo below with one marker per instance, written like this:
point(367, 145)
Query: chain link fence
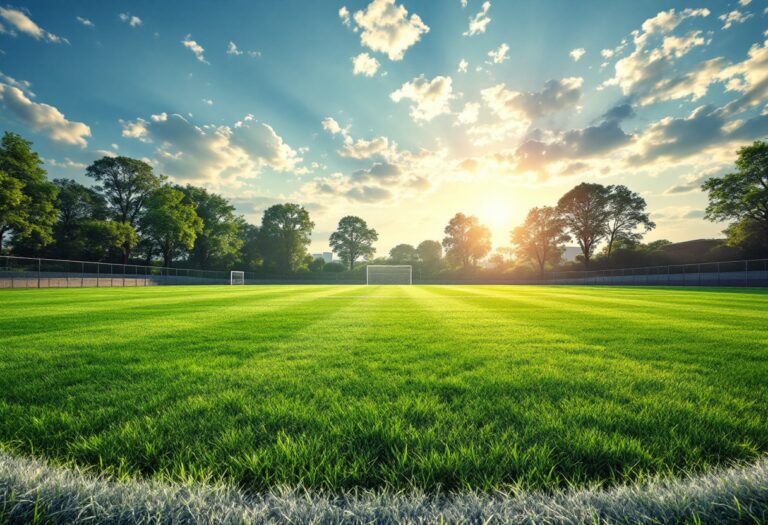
point(30, 272)
point(748, 273)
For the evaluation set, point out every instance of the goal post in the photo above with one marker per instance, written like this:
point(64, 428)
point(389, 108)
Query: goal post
point(236, 277)
point(388, 274)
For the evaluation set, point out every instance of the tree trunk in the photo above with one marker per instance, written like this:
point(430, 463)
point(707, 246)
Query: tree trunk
point(2, 234)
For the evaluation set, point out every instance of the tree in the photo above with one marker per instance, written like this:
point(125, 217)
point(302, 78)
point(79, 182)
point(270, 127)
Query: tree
point(170, 223)
point(466, 240)
point(502, 258)
point(741, 197)
point(127, 185)
point(430, 256)
point(285, 233)
point(539, 239)
point(317, 264)
point(352, 240)
point(27, 198)
point(626, 213)
point(403, 254)
point(77, 205)
point(585, 212)
point(221, 240)
point(98, 237)
point(250, 253)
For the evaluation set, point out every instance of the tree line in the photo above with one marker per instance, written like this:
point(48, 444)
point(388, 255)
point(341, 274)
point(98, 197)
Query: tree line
point(130, 214)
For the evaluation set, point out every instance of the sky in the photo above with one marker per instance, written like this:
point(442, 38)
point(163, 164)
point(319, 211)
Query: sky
point(403, 112)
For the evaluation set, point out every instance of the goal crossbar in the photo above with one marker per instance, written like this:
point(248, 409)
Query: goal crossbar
point(389, 274)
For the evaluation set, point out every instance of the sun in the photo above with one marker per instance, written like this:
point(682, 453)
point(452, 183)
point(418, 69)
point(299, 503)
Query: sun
point(496, 213)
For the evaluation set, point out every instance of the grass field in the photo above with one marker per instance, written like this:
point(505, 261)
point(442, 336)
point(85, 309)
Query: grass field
point(338, 387)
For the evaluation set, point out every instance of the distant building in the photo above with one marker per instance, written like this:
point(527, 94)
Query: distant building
point(326, 256)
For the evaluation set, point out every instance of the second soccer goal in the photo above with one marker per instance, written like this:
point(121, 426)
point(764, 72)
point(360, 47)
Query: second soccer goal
point(236, 277)
point(388, 274)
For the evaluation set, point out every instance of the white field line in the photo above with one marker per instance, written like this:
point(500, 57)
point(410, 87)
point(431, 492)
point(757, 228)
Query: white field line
point(33, 491)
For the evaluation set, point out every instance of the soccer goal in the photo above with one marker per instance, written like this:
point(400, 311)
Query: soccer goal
point(236, 277)
point(388, 274)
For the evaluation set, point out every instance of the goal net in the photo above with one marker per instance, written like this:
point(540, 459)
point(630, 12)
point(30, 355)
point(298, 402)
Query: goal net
point(388, 274)
point(236, 277)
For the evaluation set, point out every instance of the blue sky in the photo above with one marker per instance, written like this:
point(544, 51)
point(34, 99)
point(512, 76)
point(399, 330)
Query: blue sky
point(402, 112)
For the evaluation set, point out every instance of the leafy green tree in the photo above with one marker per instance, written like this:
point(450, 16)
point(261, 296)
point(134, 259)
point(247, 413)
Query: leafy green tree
point(430, 256)
point(221, 240)
point(539, 239)
point(626, 213)
point(466, 241)
point(352, 240)
point(585, 211)
point(317, 264)
point(285, 233)
point(741, 197)
point(170, 223)
point(77, 205)
point(127, 185)
point(334, 267)
point(250, 257)
point(13, 210)
point(404, 254)
point(98, 237)
point(27, 198)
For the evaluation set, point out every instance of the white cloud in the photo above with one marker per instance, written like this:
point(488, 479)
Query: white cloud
point(67, 163)
point(42, 118)
point(463, 65)
point(499, 54)
point(23, 85)
point(208, 101)
point(464, 3)
point(469, 114)
point(196, 48)
point(556, 95)
point(607, 53)
point(364, 64)
point(213, 154)
point(386, 28)
point(131, 20)
point(744, 3)
point(649, 72)
point(344, 15)
point(479, 22)
point(232, 49)
point(22, 23)
point(365, 149)
point(734, 17)
point(515, 111)
point(430, 97)
point(85, 21)
point(577, 53)
point(330, 124)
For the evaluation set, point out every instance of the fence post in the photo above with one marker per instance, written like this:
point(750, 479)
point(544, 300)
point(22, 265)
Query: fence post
point(746, 274)
point(699, 275)
point(82, 274)
point(98, 274)
point(39, 269)
point(718, 274)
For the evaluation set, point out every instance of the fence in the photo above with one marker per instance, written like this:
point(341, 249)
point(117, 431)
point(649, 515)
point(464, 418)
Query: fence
point(28, 272)
point(751, 273)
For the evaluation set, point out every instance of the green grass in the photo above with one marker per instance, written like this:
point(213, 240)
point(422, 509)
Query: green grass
point(338, 387)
